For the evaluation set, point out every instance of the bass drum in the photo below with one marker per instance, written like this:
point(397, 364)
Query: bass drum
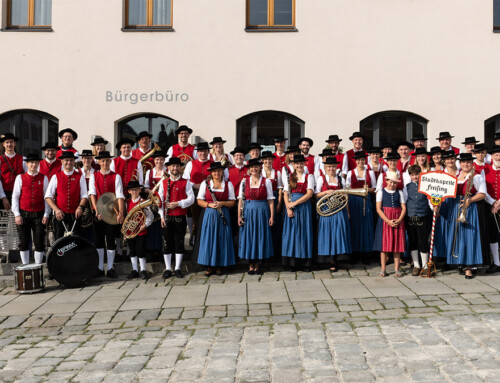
point(72, 261)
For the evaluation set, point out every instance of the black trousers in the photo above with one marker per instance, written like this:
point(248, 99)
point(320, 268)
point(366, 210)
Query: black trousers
point(419, 230)
point(68, 219)
point(105, 235)
point(32, 223)
point(137, 246)
point(174, 233)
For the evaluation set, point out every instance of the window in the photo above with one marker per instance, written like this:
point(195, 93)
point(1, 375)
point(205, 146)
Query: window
point(491, 126)
point(263, 127)
point(148, 14)
point(496, 15)
point(29, 14)
point(271, 14)
point(161, 127)
point(33, 128)
point(391, 127)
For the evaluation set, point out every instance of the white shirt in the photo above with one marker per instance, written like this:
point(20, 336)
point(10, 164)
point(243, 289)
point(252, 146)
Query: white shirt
point(155, 175)
point(479, 183)
point(279, 180)
point(184, 203)
point(202, 194)
point(310, 182)
point(402, 194)
point(140, 173)
point(118, 185)
point(269, 187)
point(320, 182)
point(169, 153)
point(16, 195)
point(371, 174)
point(149, 214)
point(52, 188)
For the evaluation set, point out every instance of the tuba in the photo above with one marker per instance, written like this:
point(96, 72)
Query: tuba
point(146, 165)
point(331, 204)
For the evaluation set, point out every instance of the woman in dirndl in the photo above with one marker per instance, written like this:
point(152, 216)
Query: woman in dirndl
point(255, 218)
point(275, 177)
point(297, 244)
point(334, 231)
point(215, 248)
point(467, 253)
point(360, 208)
point(154, 239)
point(390, 236)
point(436, 162)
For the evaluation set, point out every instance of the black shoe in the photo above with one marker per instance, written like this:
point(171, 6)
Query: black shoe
point(178, 274)
point(112, 274)
point(251, 272)
point(99, 273)
point(469, 277)
point(167, 274)
point(144, 275)
point(258, 272)
point(461, 271)
point(133, 274)
point(493, 269)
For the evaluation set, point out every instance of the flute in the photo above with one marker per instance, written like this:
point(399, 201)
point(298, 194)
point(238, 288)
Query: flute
point(219, 209)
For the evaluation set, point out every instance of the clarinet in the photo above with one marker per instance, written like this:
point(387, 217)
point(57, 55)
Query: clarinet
point(243, 186)
point(287, 171)
point(219, 210)
point(167, 199)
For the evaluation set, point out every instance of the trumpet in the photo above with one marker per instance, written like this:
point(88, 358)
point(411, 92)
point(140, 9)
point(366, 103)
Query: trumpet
point(146, 165)
point(331, 204)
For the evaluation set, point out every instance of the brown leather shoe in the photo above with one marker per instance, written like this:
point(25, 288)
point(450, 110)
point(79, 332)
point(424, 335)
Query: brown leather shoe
point(416, 271)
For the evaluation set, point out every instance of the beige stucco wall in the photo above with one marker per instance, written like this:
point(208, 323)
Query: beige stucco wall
point(350, 59)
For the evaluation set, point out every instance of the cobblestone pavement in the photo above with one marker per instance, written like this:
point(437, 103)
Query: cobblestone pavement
point(282, 327)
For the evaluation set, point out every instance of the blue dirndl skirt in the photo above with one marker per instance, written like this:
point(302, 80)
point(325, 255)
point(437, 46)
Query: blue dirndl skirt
point(468, 250)
point(256, 241)
point(154, 238)
point(298, 232)
point(334, 234)
point(361, 225)
point(216, 240)
point(445, 228)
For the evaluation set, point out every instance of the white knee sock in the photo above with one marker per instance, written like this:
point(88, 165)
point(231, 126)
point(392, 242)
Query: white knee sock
point(118, 242)
point(39, 257)
point(178, 261)
point(416, 260)
point(425, 259)
point(494, 252)
point(142, 262)
point(100, 252)
point(25, 257)
point(111, 259)
point(134, 263)
point(168, 261)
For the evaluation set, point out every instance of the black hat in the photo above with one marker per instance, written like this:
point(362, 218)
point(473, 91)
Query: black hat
point(254, 161)
point(104, 154)
point(87, 153)
point(494, 149)
point(333, 138)
point(159, 153)
point(326, 152)
point(386, 145)
point(68, 130)
point(174, 161)
point(8, 136)
point(435, 149)
point(202, 146)
point(299, 158)
point(311, 142)
point(375, 149)
point(266, 154)
point(419, 151)
point(448, 154)
point(238, 149)
point(124, 141)
point(215, 166)
point(360, 154)
point(443, 135)
point(356, 135)
point(470, 140)
point(254, 145)
point(466, 157)
point(132, 184)
point(50, 145)
point(331, 161)
point(143, 134)
point(479, 148)
point(392, 156)
point(418, 137)
point(32, 157)
point(217, 140)
point(183, 128)
point(496, 136)
point(280, 139)
point(99, 140)
point(404, 143)
point(67, 155)
point(292, 149)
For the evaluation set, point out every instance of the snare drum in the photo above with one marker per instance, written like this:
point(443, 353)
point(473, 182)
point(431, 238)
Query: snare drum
point(29, 279)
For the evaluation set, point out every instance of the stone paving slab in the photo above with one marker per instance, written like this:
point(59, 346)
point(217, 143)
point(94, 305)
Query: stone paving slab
point(458, 283)
point(223, 295)
point(346, 288)
point(307, 290)
point(184, 296)
point(25, 304)
point(426, 286)
point(267, 292)
point(67, 301)
point(385, 287)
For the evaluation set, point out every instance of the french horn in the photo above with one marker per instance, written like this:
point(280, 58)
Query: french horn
point(331, 204)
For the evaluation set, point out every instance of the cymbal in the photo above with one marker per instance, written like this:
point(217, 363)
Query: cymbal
point(107, 207)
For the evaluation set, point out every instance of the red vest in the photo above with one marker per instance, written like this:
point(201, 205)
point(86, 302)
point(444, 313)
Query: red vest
point(274, 180)
point(130, 205)
point(68, 191)
point(326, 186)
point(480, 168)
point(7, 176)
point(236, 175)
point(199, 171)
point(31, 198)
point(403, 168)
point(301, 187)
point(220, 196)
point(177, 193)
point(104, 183)
point(355, 183)
point(177, 150)
point(126, 169)
point(154, 180)
point(278, 161)
point(492, 177)
point(400, 186)
point(96, 166)
point(310, 163)
point(60, 151)
point(340, 158)
point(259, 194)
point(351, 162)
point(50, 169)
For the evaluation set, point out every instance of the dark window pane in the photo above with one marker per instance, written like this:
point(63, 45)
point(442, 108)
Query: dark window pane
point(43, 12)
point(283, 12)
point(52, 131)
point(489, 132)
point(258, 12)
point(19, 12)
point(245, 131)
point(392, 128)
point(269, 127)
point(367, 131)
point(137, 12)
point(163, 131)
point(496, 13)
point(162, 12)
point(295, 133)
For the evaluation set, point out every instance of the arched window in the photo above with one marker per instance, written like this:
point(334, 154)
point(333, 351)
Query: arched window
point(263, 127)
point(161, 127)
point(391, 127)
point(491, 126)
point(33, 128)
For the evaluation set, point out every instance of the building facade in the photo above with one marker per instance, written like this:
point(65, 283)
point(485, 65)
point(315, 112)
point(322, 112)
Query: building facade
point(249, 70)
